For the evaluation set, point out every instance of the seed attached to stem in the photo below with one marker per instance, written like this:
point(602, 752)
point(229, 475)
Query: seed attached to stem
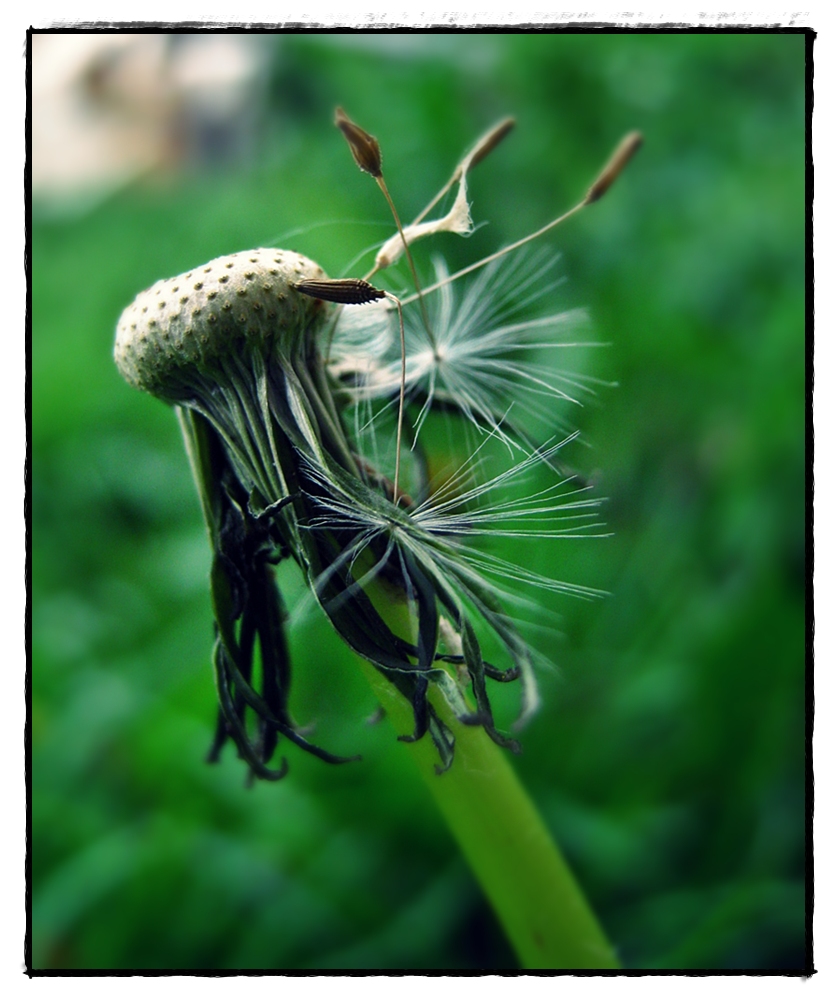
point(368, 156)
point(364, 147)
point(347, 291)
point(355, 291)
point(627, 148)
point(485, 145)
point(481, 149)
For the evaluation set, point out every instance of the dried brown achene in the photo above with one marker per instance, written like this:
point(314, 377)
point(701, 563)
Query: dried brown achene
point(365, 148)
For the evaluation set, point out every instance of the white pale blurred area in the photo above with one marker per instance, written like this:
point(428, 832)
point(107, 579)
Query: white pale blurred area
point(108, 108)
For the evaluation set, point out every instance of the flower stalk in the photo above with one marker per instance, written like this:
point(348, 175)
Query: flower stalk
point(532, 890)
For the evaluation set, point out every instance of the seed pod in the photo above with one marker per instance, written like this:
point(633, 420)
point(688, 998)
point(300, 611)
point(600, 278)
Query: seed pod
point(189, 326)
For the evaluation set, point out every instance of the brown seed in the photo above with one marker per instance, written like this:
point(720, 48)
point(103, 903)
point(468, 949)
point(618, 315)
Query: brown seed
point(349, 291)
point(627, 148)
point(363, 146)
point(485, 145)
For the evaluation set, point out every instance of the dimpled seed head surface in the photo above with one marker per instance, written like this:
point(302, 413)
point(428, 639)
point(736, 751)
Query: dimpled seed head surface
point(185, 327)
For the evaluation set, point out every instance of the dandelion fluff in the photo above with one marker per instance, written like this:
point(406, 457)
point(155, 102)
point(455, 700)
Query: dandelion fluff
point(281, 396)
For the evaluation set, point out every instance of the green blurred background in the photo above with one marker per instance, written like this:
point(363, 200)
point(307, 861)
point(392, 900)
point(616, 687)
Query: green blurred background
point(669, 756)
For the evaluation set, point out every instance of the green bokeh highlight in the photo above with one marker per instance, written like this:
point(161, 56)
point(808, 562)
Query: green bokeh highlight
point(668, 758)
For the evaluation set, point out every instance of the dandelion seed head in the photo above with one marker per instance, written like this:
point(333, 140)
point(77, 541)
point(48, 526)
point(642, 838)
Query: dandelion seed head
point(243, 301)
point(288, 406)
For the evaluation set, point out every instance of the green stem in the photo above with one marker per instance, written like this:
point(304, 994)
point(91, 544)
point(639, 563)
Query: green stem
point(544, 913)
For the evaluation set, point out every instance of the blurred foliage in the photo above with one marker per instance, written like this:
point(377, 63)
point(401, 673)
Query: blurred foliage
point(668, 758)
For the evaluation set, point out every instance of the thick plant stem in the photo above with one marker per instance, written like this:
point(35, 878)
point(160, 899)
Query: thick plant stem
point(528, 883)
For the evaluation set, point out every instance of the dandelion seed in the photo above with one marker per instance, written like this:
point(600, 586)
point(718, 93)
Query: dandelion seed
point(477, 363)
point(364, 147)
point(457, 220)
point(627, 148)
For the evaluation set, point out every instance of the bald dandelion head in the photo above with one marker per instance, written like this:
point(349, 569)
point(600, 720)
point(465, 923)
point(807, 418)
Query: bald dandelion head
point(292, 390)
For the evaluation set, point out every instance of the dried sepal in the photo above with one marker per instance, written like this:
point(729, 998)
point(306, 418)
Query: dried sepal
point(363, 146)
